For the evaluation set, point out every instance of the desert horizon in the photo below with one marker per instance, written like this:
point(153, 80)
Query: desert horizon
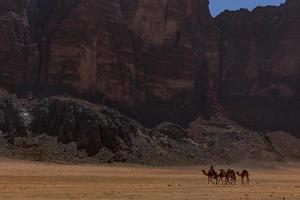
point(36, 180)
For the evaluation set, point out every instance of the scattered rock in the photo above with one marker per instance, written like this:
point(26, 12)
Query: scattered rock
point(285, 144)
point(173, 131)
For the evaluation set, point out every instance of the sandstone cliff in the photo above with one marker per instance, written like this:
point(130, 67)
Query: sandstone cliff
point(260, 63)
point(18, 55)
point(157, 60)
point(154, 59)
point(144, 54)
point(260, 54)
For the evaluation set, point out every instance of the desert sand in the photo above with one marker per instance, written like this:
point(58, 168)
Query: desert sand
point(33, 180)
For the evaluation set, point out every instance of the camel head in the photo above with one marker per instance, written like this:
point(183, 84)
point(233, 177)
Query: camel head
point(204, 172)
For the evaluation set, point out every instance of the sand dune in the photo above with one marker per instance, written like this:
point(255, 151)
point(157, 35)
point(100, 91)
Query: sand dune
point(30, 180)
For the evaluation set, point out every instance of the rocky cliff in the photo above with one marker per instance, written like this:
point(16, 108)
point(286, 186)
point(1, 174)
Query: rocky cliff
point(18, 53)
point(156, 60)
point(260, 54)
point(141, 53)
point(150, 54)
point(260, 66)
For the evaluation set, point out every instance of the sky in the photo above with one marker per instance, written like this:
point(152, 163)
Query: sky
point(217, 6)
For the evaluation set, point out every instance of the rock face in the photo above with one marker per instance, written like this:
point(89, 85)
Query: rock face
point(164, 58)
point(232, 143)
point(92, 127)
point(170, 130)
point(18, 55)
point(137, 53)
point(285, 144)
point(260, 54)
point(260, 66)
point(157, 60)
point(69, 129)
point(11, 120)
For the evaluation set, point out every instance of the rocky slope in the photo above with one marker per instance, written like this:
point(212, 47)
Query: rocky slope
point(69, 129)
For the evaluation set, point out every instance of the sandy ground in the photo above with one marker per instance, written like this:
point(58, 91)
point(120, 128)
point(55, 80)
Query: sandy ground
point(30, 180)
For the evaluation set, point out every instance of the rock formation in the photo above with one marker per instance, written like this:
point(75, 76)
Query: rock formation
point(260, 66)
point(138, 53)
point(92, 127)
point(260, 54)
point(69, 129)
point(150, 56)
point(11, 120)
point(156, 61)
point(18, 55)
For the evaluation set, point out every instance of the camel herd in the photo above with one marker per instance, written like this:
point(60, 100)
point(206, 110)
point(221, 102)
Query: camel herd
point(226, 177)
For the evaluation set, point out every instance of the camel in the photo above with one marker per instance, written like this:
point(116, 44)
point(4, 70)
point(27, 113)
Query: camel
point(230, 177)
point(222, 176)
point(210, 176)
point(243, 175)
point(227, 177)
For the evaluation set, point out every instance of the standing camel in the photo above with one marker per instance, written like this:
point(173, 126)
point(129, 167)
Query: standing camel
point(210, 176)
point(222, 176)
point(230, 177)
point(243, 175)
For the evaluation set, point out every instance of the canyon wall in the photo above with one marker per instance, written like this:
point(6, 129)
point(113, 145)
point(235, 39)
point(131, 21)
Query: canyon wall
point(154, 59)
point(142, 53)
point(260, 62)
point(260, 51)
point(18, 53)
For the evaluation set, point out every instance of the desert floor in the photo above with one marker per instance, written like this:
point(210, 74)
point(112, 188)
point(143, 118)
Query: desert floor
point(33, 180)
